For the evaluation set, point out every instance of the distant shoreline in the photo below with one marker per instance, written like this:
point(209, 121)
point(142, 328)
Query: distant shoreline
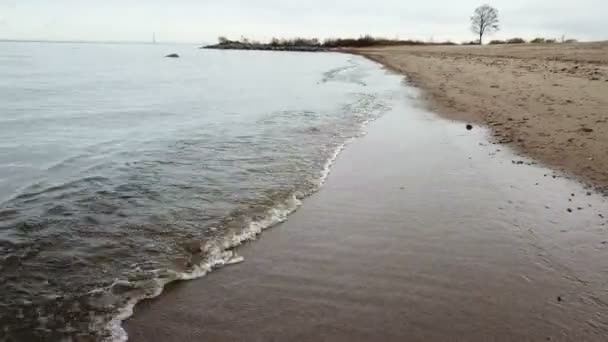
point(314, 44)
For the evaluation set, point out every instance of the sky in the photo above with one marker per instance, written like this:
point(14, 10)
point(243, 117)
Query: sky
point(202, 21)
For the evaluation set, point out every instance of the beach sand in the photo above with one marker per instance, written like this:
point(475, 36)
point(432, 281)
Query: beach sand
point(423, 232)
point(549, 101)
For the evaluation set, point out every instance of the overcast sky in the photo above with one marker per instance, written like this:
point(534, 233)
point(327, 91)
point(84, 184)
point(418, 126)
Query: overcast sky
point(203, 20)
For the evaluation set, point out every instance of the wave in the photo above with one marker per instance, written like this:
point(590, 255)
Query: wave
point(148, 280)
point(340, 73)
point(221, 251)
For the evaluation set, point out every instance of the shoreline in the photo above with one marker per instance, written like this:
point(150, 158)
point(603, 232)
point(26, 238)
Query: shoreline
point(545, 101)
point(429, 246)
point(224, 253)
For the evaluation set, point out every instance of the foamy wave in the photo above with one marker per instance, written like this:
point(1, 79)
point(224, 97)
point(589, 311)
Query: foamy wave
point(219, 253)
point(334, 156)
point(327, 167)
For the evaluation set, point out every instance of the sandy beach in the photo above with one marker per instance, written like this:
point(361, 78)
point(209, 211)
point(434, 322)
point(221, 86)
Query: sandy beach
point(423, 232)
point(303, 171)
point(549, 101)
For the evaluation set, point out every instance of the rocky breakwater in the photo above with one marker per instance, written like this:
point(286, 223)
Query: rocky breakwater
point(265, 47)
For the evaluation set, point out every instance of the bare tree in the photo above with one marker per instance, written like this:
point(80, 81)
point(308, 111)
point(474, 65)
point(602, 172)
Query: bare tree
point(484, 20)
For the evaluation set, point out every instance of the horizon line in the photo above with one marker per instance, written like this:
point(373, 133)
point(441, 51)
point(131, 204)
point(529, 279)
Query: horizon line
point(72, 41)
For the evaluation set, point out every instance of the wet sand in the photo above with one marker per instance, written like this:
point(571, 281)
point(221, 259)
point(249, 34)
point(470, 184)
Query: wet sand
point(423, 232)
point(548, 101)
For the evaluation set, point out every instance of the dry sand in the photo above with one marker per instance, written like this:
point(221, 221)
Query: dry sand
point(550, 101)
point(423, 232)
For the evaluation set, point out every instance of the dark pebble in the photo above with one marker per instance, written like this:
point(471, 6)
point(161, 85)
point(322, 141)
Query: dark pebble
point(569, 210)
point(469, 127)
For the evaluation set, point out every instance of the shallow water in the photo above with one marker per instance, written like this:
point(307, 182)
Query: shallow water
point(121, 170)
point(424, 231)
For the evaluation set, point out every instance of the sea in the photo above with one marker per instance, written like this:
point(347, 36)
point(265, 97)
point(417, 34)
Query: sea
point(122, 171)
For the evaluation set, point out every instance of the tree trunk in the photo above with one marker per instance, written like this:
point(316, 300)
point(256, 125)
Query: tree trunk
point(480, 38)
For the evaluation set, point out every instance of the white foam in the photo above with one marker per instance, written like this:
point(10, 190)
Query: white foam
point(327, 167)
point(334, 156)
point(236, 259)
point(219, 254)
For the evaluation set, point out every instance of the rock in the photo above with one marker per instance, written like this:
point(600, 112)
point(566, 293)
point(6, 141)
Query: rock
point(172, 55)
point(569, 210)
point(559, 298)
point(587, 129)
point(469, 127)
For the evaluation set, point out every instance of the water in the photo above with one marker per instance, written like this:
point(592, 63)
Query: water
point(121, 170)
